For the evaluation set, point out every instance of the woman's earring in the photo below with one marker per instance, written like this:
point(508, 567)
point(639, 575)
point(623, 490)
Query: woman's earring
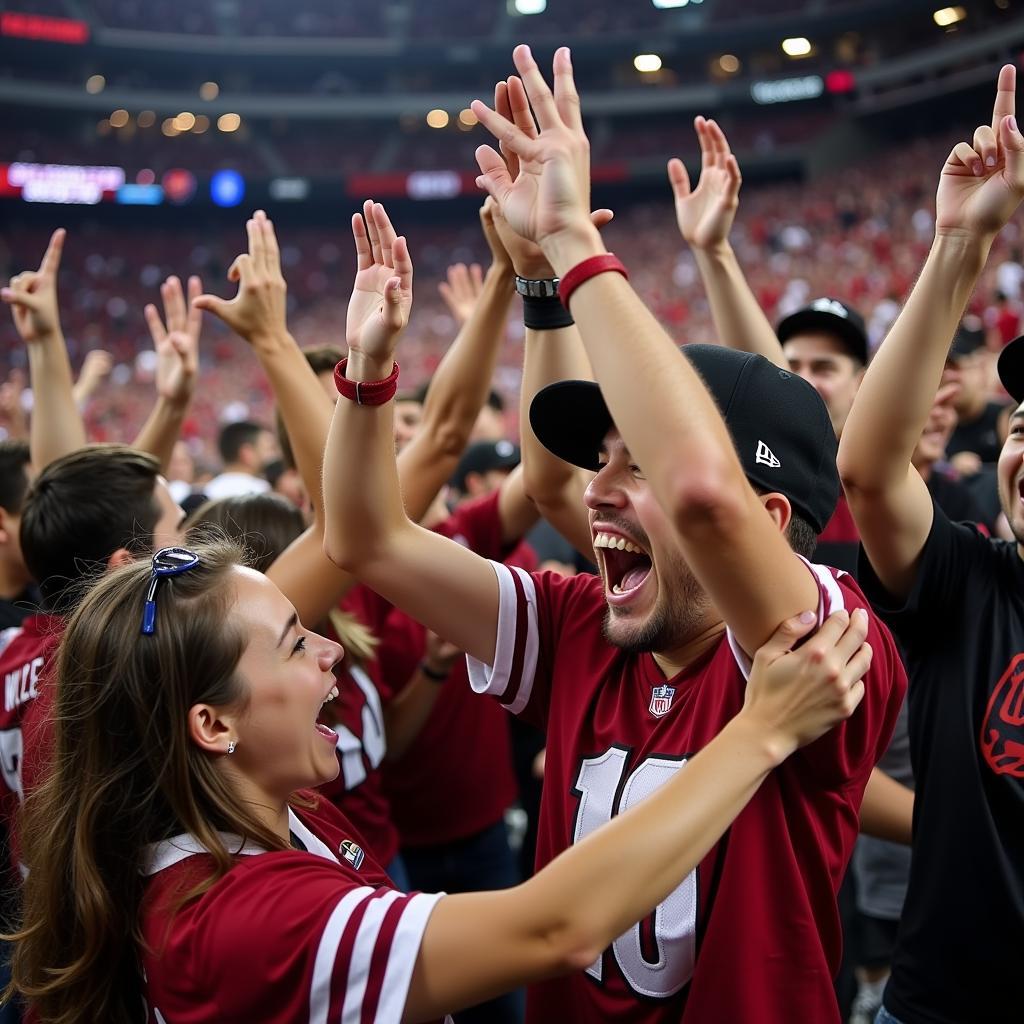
point(231, 747)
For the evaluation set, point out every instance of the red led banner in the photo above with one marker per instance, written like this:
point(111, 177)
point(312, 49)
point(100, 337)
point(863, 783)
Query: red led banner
point(49, 30)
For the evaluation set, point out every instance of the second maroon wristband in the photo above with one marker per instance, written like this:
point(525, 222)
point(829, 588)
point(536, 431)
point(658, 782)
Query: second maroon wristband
point(365, 392)
point(590, 267)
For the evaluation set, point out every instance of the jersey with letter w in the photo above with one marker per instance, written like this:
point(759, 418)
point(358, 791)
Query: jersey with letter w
point(752, 935)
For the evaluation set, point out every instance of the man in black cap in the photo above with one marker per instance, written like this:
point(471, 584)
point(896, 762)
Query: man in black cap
point(953, 598)
point(483, 466)
point(634, 670)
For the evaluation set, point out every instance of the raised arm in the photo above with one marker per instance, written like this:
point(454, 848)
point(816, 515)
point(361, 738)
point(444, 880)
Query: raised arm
point(705, 217)
point(666, 417)
point(980, 187)
point(96, 367)
point(438, 582)
point(177, 367)
point(56, 426)
point(477, 945)
point(459, 386)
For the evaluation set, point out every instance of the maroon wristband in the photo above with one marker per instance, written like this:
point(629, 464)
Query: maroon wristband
point(365, 392)
point(590, 267)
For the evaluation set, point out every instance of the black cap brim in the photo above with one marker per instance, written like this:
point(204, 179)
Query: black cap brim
point(854, 340)
point(1011, 369)
point(571, 419)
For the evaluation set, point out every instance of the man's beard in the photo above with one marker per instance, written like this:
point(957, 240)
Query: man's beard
point(678, 616)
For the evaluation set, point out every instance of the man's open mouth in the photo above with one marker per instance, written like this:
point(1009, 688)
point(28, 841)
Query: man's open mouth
point(626, 565)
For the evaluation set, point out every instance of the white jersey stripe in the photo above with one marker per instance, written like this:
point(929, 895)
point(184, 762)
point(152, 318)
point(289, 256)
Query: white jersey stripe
point(531, 644)
point(362, 954)
point(327, 953)
point(830, 599)
point(402, 957)
point(495, 680)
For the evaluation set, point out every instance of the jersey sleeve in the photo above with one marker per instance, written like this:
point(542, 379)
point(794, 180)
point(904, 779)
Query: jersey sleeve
point(310, 935)
point(533, 612)
point(848, 752)
point(952, 552)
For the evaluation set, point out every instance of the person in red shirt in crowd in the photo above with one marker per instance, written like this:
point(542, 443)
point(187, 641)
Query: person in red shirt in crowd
point(183, 869)
point(634, 671)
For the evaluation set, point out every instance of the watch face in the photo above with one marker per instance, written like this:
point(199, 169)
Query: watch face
point(544, 288)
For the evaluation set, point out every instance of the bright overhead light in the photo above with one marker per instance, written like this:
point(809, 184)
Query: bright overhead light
point(666, 5)
point(147, 119)
point(647, 62)
point(209, 91)
point(796, 47)
point(95, 84)
point(201, 125)
point(229, 122)
point(467, 119)
point(527, 6)
point(168, 127)
point(119, 118)
point(946, 16)
point(185, 121)
point(729, 63)
point(438, 118)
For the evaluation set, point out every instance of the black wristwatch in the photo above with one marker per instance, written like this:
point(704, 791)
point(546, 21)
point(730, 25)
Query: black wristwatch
point(537, 288)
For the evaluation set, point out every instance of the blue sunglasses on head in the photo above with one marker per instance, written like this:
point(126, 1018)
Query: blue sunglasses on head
point(167, 562)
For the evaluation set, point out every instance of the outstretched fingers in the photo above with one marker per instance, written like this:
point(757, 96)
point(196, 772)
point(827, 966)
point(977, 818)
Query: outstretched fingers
point(541, 98)
point(678, 178)
point(371, 231)
point(50, 262)
point(1006, 96)
point(567, 99)
point(364, 253)
point(511, 138)
point(494, 176)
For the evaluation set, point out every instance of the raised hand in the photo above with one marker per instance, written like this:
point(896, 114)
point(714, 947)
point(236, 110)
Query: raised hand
point(548, 194)
point(177, 342)
point(382, 292)
point(462, 289)
point(259, 309)
point(33, 295)
point(982, 183)
point(797, 695)
point(96, 368)
point(706, 213)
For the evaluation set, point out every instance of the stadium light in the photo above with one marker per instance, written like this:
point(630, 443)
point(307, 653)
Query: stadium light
point(647, 63)
point(185, 121)
point(95, 84)
point(147, 119)
point(202, 124)
point(946, 16)
point(729, 63)
point(209, 91)
point(797, 46)
point(227, 188)
point(438, 118)
point(467, 119)
point(527, 6)
point(168, 128)
point(229, 122)
point(667, 5)
point(119, 118)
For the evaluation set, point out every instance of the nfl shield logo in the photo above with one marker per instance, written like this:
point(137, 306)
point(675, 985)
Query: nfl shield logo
point(661, 700)
point(352, 852)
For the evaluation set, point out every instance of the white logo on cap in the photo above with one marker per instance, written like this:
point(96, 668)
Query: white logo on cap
point(504, 448)
point(830, 306)
point(766, 457)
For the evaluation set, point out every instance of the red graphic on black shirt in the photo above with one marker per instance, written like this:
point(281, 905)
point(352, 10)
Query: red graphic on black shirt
point(1002, 731)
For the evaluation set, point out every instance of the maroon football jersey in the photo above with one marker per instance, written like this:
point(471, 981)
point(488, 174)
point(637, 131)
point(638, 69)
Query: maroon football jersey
point(305, 935)
point(456, 778)
point(753, 933)
point(357, 717)
point(26, 654)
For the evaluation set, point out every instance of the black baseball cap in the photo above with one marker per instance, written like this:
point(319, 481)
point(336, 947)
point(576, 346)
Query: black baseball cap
point(1011, 369)
point(832, 317)
point(778, 422)
point(482, 457)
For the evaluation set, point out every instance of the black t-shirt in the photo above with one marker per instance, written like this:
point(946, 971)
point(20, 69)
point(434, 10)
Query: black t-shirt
point(980, 436)
point(15, 611)
point(961, 939)
point(956, 499)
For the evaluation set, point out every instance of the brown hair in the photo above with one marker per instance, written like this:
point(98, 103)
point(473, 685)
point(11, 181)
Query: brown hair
point(125, 774)
point(265, 524)
point(80, 510)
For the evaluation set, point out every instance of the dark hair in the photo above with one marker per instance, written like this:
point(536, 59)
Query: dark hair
point(235, 436)
point(80, 510)
point(126, 774)
point(265, 524)
point(495, 401)
point(322, 359)
point(14, 460)
point(802, 537)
